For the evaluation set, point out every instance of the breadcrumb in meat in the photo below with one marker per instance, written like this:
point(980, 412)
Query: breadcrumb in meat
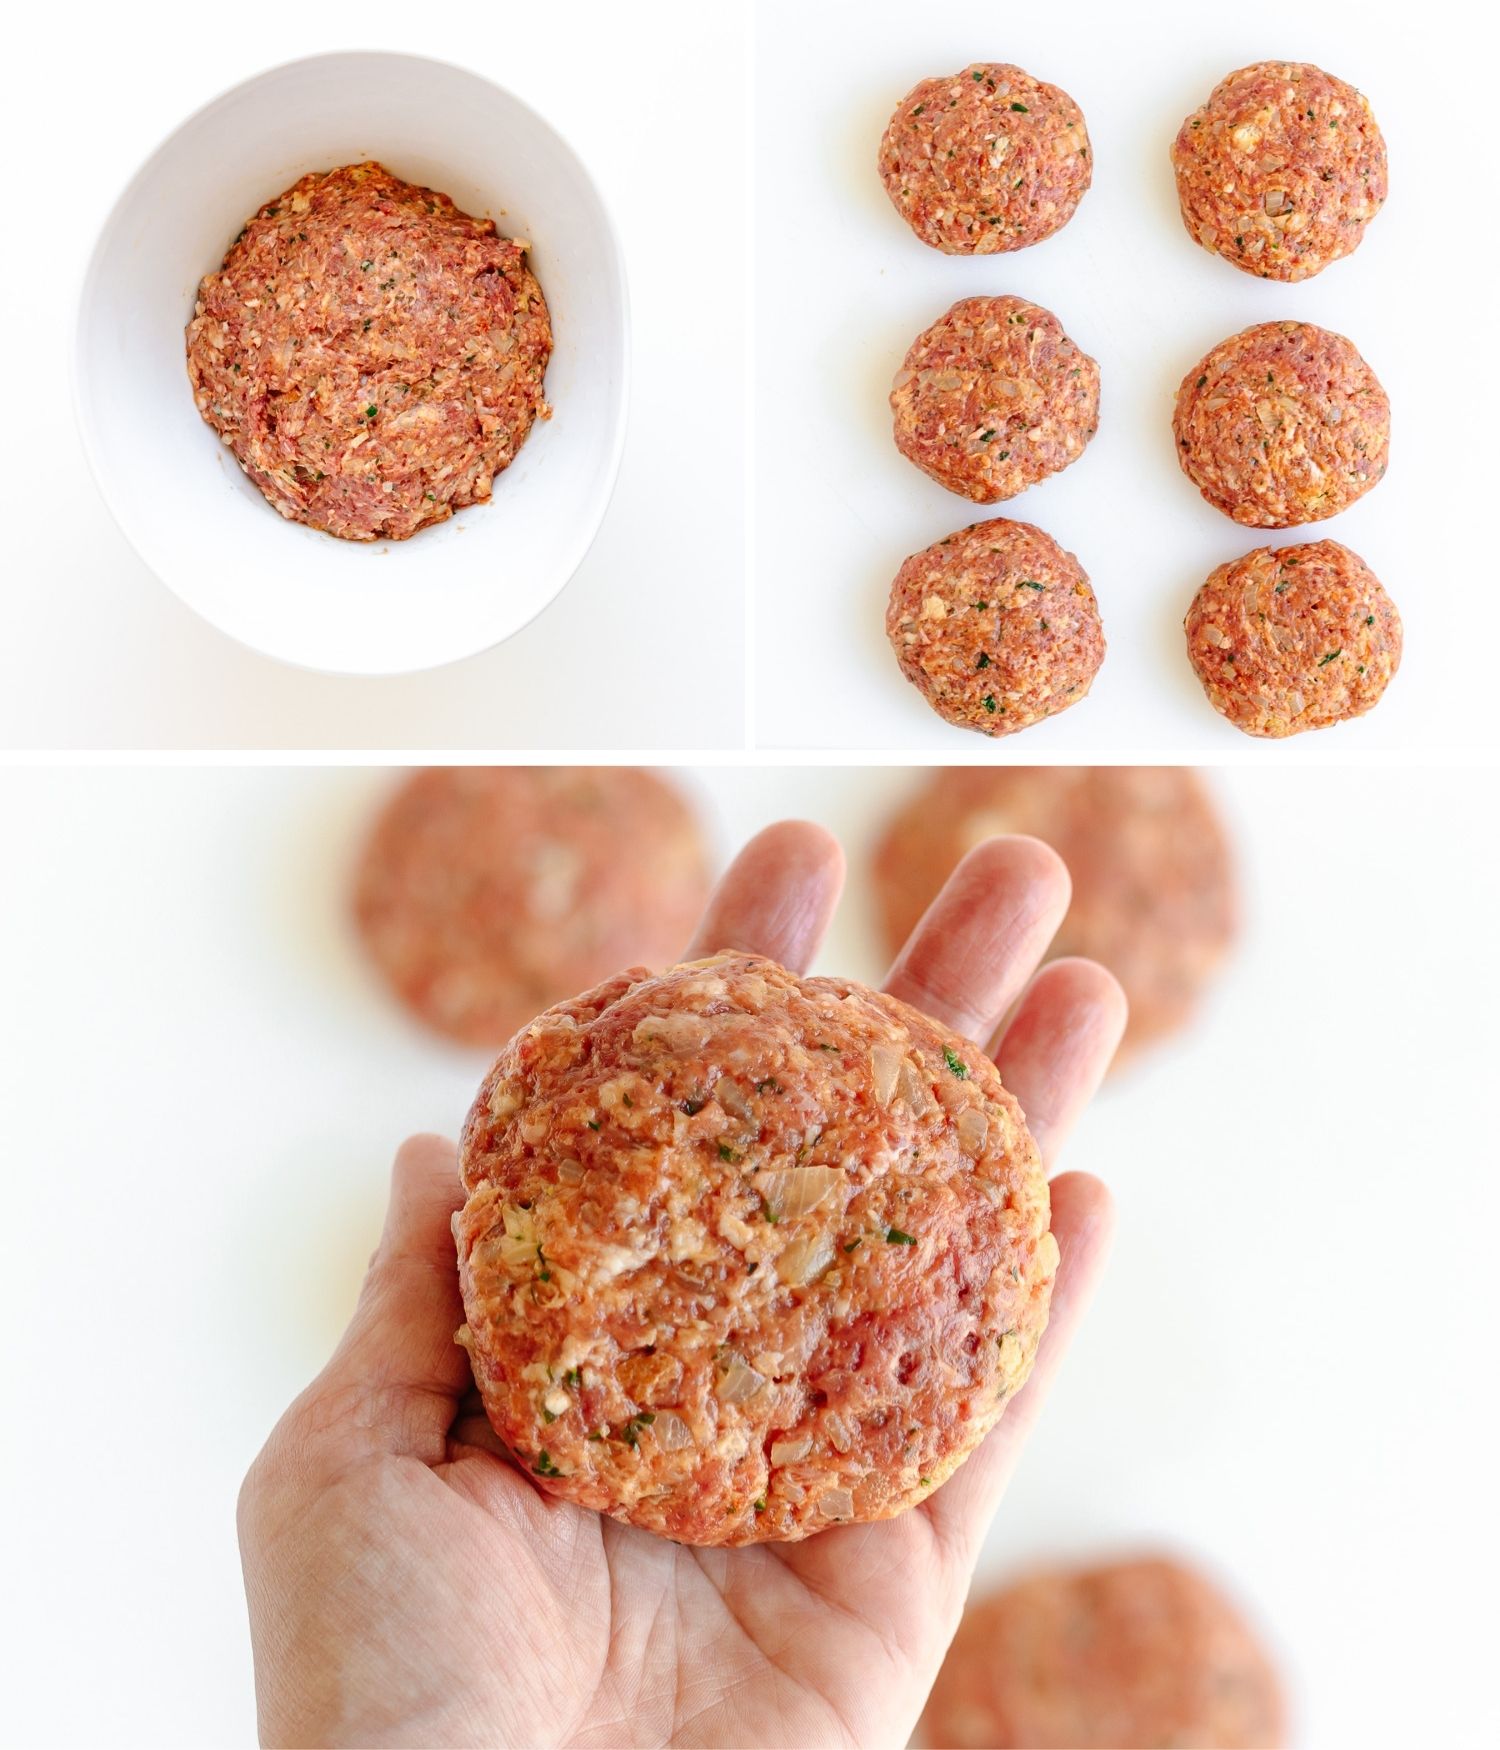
point(747, 1255)
point(373, 356)
point(987, 161)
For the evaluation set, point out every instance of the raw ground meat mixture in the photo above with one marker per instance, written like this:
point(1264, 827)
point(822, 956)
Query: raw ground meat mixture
point(1281, 170)
point(994, 397)
point(996, 627)
point(1293, 638)
point(372, 356)
point(747, 1255)
point(1135, 1655)
point(1154, 893)
point(986, 161)
point(486, 893)
point(1282, 424)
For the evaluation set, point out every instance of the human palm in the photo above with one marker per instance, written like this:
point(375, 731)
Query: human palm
point(409, 1585)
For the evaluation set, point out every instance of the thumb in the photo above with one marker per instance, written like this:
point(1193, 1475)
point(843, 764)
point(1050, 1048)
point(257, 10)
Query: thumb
point(394, 1381)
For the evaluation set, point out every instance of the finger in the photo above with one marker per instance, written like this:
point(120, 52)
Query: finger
point(983, 936)
point(777, 897)
point(1083, 1222)
point(1059, 1043)
point(394, 1380)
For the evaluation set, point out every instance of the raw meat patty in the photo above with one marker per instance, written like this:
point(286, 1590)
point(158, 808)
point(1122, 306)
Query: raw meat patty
point(747, 1255)
point(1281, 170)
point(1282, 424)
point(372, 356)
point(994, 397)
point(996, 627)
point(487, 892)
point(1132, 1656)
point(986, 161)
point(1153, 875)
point(1293, 638)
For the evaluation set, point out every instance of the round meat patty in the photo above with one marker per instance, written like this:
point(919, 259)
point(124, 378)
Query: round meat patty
point(1153, 874)
point(1130, 1656)
point(1282, 424)
point(1293, 638)
point(987, 161)
point(1281, 170)
point(994, 397)
point(485, 893)
point(996, 627)
point(746, 1255)
point(372, 356)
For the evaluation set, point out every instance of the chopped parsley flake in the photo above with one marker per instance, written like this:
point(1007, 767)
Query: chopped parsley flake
point(983, 662)
point(893, 1237)
point(1323, 661)
point(371, 411)
point(955, 1063)
point(726, 1153)
point(544, 1466)
point(988, 701)
point(1030, 583)
point(1020, 109)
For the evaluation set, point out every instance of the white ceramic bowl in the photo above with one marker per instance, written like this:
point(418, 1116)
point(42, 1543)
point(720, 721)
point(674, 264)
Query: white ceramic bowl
point(380, 607)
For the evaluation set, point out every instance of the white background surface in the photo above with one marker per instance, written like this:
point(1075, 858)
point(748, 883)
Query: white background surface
point(843, 287)
point(94, 652)
point(1288, 1370)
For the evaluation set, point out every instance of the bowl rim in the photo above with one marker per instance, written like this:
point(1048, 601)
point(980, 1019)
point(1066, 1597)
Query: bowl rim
point(86, 291)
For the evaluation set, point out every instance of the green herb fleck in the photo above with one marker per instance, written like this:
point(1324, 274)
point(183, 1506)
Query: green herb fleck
point(631, 1432)
point(1369, 619)
point(1020, 109)
point(981, 606)
point(985, 436)
point(1029, 583)
point(726, 1153)
point(371, 411)
point(895, 1237)
point(983, 662)
point(854, 1244)
point(573, 1377)
point(988, 701)
point(1323, 661)
point(544, 1466)
point(955, 1063)
point(760, 1505)
point(1201, 381)
point(593, 1123)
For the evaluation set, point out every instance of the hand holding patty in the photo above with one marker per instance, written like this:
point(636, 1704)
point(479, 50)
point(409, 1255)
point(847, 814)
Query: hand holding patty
point(407, 1583)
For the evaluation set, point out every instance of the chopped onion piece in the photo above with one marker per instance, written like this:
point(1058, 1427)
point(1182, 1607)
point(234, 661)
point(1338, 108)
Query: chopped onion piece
point(838, 1431)
point(570, 1172)
point(973, 1128)
point(836, 1504)
point(791, 1451)
point(672, 1433)
point(793, 1191)
point(731, 1097)
point(737, 1383)
point(807, 1257)
point(885, 1065)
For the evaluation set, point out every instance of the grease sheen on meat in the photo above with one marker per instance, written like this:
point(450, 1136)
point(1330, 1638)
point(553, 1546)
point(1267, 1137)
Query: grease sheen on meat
point(747, 1255)
point(372, 355)
point(1134, 1655)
